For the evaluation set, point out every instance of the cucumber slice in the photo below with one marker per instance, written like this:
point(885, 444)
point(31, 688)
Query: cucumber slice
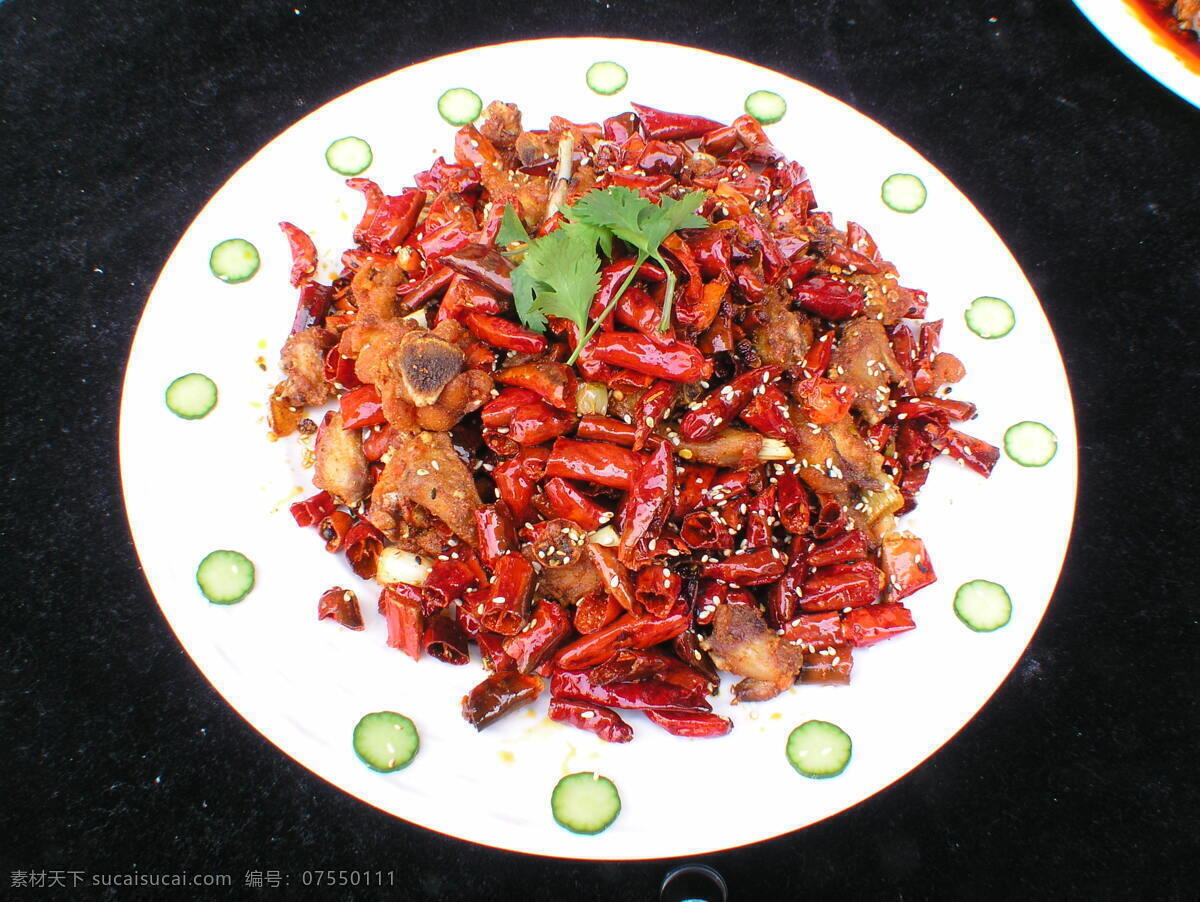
point(192, 396)
point(982, 605)
point(460, 106)
point(349, 156)
point(233, 260)
point(606, 77)
point(225, 577)
point(386, 741)
point(585, 803)
point(990, 317)
point(1030, 444)
point(766, 106)
point(819, 749)
point(904, 193)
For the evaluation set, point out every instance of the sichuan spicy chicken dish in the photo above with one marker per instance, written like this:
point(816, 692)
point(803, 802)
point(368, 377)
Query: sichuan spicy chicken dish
point(620, 405)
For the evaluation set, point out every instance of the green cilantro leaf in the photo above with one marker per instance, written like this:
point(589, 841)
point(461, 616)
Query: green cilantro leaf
point(561, 271)
point(559, 277)
point(512, 230)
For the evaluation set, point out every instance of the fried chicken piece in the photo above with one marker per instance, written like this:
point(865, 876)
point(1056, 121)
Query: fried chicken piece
point(425, 470)
point(341, 466)
point(373, 289)
point(863, 357)
point(742, 643)
point(303, 363)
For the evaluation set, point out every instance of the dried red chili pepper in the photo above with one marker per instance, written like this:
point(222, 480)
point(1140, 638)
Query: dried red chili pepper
point(832, 665)
point(747, 568)
point(387, 219)
point(498, 694)
point(595, 611)
point(693, 724)
point(906, 565)
point(483, 264)
point(362, 544)
point(506, 609)
point(605, 723)
point(828, 297)
point(874, 623)
point(464, 296)
point(361, 407)
point(842, 586)
point(849, 547)
point(499, 410)
point(672, 126)
point(718, 409)
point(304, 254)
point(626, 631)
point(783, 597)
point(312, 306)
point(598, 462)
point(815, 631)
point(400, 605)
point(495, 532)
point(333, 529)
point(832, 519)
point(676, 362)
point(760, 516)
point(312, 510)
point(614, 577)
point(702, 530)
point(341, 606)
point(445, 640)
point(571, 504)
point(516, 480)
point(447, 581)
point(500, 333)
point(768, 413)
point(416, 294)
point(538, 422)
point(648, 504)
point(340, 370)
point(447, 178)
point(553, 382)
point(824, 401)
point(639, 311)
point(657, 590)
point(579, 686)
point(547, 629)
point(693, 483)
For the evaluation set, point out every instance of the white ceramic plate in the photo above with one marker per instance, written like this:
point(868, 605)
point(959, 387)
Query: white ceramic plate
point(191, 487)
point(1147, 45)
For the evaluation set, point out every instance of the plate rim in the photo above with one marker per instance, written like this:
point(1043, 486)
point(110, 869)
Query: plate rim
point(1140, 42)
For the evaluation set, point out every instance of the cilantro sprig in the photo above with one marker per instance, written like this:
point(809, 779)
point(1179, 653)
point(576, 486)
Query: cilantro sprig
point(561, 271)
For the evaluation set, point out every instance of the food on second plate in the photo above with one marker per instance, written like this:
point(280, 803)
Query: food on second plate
point(618, 404)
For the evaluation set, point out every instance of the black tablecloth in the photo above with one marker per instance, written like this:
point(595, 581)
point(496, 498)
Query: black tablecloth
point(119, 121)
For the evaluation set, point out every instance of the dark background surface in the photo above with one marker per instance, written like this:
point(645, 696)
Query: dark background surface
point(117, 123)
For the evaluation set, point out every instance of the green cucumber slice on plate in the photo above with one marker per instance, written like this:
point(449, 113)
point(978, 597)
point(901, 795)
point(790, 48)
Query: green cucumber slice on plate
point(225, 577)
point(903, 192)
point(585, 803)
point(766, 106)
point(819, 749)
point(386, 741)
point(983, 605)
point(349, 156)
point(192, 396)
point(233, 260)
point(606, 77)
point(460, 106)
point(1030, 444)
point(990, 317)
